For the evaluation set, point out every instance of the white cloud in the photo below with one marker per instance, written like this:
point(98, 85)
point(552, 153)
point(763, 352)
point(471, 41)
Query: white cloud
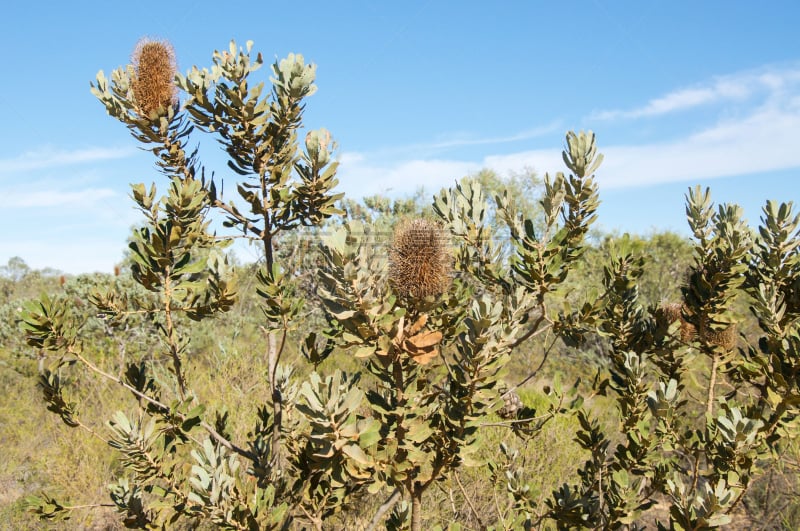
point(758, 135)
point(468, 141)
point(540, 160)
point(451, 141)
point(735, 87)
point(762, 142)
point(54, 198)
point(386, 172)
point(49, 158)
point(360, 178)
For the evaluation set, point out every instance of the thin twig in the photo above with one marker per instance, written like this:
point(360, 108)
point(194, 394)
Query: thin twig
point(88, 506)
point(532, 332)
point(506, 423)
point(532, 374)
point(469, 500)
point(247, 225)
point(314, 520)
point(90, 430)
point(712, 382)
point(164, 408)
point(383, 509)
point(500, 513)
point(537, 369)
point(451, 499)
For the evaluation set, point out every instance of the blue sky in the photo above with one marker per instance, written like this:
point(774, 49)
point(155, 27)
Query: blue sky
point(417, 94)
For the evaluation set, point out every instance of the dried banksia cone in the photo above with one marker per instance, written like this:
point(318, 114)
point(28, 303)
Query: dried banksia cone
point(726, 338)
point(672, 312)
point(153, 80)
point(688, 331)
point(511, 406)
point(420, 263)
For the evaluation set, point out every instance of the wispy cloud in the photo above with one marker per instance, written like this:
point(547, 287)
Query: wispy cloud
point(453, 141)
point(735, 87)
point(387, 171)
point(54, 198)
point(467, 141)
point(764, 141)
point(756, 134)
point(360, 177)
point(50, 158)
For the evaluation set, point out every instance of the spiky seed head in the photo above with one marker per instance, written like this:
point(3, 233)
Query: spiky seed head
point(688, 331)
point(725, 338)
point(420, 263)
point(672, 312)
point(153, 81)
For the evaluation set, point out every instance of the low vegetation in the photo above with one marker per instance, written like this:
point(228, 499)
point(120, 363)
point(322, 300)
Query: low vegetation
point(485, 360)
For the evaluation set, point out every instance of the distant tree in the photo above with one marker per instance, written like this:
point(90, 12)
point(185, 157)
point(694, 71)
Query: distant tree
point(15, 270)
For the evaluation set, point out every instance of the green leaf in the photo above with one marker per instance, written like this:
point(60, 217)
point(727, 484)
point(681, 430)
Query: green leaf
point(353, 451)
point(364, 352)
point(419, 432)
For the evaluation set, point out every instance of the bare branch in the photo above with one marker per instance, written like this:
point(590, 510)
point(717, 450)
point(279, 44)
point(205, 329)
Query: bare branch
point(163, 407)
point(468, 500)
point(383, 509)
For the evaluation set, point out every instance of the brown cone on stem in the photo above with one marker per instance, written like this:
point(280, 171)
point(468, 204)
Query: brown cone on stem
point(420, 263)
point(153, 80)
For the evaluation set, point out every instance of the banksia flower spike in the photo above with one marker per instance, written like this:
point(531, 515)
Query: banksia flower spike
point(153, 79)
point(420, 263)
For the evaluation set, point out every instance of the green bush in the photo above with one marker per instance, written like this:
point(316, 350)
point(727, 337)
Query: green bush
point(408, 329)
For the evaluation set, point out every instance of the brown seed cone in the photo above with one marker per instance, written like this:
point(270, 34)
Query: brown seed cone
point(420, 264)
point(668, 313)
point(153, 82)
point(512, 404)
point(671, 311)
point(688, 331)
point(726, 338)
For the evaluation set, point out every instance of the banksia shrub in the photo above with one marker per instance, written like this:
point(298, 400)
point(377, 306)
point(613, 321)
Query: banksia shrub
point(420, 263)
point(153, 82)
point(437, 369)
